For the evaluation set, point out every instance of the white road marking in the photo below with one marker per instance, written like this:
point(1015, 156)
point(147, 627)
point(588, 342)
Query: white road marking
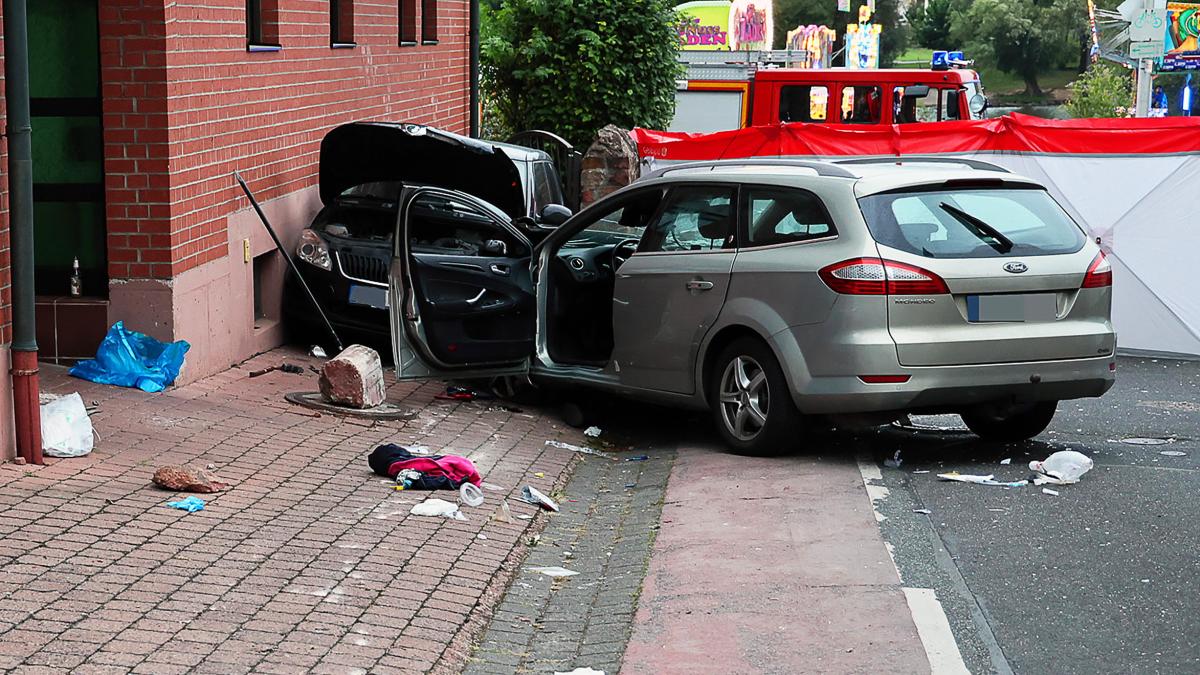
point(934, 629)
point(928, 616)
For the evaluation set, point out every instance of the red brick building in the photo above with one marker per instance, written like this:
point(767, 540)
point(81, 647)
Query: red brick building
point(142, 111)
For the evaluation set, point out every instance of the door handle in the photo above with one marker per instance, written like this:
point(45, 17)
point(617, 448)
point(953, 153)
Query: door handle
point(500, 269)
point(699, 285)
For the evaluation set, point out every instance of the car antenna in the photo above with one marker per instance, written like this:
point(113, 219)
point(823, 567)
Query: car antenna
point(279, 245)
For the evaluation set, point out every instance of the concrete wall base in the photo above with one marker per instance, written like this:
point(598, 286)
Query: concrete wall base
point(213, 306)
point(8, 434)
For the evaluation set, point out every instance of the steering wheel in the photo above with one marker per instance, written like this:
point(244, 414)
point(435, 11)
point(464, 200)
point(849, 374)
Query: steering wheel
point(622, 252)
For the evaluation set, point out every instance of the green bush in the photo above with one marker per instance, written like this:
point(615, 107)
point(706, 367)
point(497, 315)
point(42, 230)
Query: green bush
point(573, 66)
point(1104, 90)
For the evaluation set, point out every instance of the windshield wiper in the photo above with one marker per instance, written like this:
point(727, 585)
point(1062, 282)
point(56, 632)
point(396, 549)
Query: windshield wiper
point(979, 228)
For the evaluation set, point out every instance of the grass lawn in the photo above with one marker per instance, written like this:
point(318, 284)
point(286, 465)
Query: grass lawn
point(1002, 88)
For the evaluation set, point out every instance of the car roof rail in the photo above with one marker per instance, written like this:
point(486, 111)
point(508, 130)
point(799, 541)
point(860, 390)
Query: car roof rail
point(977, 164)
point(822, 168)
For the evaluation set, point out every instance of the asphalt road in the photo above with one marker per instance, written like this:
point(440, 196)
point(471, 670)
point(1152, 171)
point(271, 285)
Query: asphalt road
point(1102, 578)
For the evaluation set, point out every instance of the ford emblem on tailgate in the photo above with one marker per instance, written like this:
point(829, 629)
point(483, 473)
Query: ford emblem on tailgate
point(1015, 267)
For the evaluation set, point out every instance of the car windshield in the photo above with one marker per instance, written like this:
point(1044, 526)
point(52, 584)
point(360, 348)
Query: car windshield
point(971, 223)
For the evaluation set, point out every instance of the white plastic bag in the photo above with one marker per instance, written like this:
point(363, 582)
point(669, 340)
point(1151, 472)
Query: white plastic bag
point(438, 507)
point(66, 427)
point(1067, 466)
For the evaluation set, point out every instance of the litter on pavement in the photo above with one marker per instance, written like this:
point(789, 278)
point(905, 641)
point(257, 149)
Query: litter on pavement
point(186, 479)
point(638, 458)
point(580, 671)
point(423, 472)
point(1064, 466)
point(318, 352)
point(554, 571)
point(592, 432)
point(1006, 460)
point(979, 480)
point(1173, 453)
point(505, 515)
point(66, 427)
point(290, 368)
point(470, 494)
point(924, 511)
point(127, 358)
point(894, 462)
point(438, 507)
point(532, 496)
point(1048, 491)
point(189, 504)
point(456, 392)
point(574, 448)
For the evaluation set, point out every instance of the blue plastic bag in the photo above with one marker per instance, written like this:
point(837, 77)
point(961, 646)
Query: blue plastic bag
point(130, 359)
point(189, 504)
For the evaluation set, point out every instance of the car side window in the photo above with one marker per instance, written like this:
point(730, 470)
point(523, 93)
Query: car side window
point(694, 218)
point(784, 215)
point(862, 104)
point(627, 219)
point(804, 103)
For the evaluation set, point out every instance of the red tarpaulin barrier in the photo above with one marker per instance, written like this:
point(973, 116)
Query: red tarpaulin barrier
point(1012, 133)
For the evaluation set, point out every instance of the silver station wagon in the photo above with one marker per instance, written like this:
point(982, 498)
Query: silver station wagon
point(771, 292)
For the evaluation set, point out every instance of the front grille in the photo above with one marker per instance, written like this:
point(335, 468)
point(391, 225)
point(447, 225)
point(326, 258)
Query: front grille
point(363, 267)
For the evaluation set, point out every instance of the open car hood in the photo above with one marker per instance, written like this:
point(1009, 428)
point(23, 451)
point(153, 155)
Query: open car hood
point(368, 152)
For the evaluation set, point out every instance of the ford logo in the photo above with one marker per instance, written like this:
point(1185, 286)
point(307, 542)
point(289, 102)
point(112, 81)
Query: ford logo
point(1015, 267)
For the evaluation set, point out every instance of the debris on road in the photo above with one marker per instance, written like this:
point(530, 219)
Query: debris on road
point(289, 368)
point(592, 432)
point(580, 671)
point(470, 494)
point(575, 448)
point(353, 378)
point(437, 507)
point(531, 495)
point(318, 352)
point(66, 427)
point(921, 471)
point(186, 479)
point(894, 462)
point(189, 504)
point(1006, 460)
point(126, 358)
point(1048, 491)
point(638, 458)
point(505, 515)
point(1065, 466)
point(555, 572)
point(434, 472)
point(1173, 453)
point(456, 392)
point(1147, 441)
point(922, 511)
point(979, 480)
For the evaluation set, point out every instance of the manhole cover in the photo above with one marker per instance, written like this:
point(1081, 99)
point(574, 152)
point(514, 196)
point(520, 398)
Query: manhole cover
point(1147, 441)
point(314, 400)
point(1173, 453)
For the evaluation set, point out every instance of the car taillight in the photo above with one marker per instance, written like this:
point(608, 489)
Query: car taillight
point(1099, 274)
point(874, 276)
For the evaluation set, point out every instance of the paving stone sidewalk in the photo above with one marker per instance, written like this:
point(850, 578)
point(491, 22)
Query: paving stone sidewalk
point(605, 532)
point(308, 563)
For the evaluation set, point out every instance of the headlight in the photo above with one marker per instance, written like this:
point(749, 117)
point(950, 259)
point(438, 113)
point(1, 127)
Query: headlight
point(312, 250)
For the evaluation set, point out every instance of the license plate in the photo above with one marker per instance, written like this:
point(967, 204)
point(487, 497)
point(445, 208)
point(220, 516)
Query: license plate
point(370, 296)
point(1013, 308)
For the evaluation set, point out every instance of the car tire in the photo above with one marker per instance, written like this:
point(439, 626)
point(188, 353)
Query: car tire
point(1019, 424)
point(745, 386)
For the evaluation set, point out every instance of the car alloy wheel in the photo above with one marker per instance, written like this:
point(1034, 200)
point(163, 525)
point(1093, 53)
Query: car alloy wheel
point(745, 398)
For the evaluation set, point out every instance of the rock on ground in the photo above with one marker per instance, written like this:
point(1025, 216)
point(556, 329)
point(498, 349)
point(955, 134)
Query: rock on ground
point(353, 378)
point(186, 479)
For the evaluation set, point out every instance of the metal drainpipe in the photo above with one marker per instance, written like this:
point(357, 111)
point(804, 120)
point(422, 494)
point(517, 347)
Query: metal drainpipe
point(473, 38)
point(26, 406)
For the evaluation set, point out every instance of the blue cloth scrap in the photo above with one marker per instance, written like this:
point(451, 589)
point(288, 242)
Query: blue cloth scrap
point(189, 504)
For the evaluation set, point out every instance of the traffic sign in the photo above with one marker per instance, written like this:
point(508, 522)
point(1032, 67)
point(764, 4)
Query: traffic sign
point(1146, 50)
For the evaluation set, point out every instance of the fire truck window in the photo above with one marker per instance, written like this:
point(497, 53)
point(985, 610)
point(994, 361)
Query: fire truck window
point(803, 103)
point(912, 109)
point(862, 104)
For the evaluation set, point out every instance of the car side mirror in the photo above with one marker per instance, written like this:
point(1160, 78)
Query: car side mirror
point(916, 91)
point(553, 215)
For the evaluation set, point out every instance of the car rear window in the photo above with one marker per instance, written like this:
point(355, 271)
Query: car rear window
point(962, 223)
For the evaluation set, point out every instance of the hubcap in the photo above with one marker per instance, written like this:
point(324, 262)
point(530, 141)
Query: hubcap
point(745, 398)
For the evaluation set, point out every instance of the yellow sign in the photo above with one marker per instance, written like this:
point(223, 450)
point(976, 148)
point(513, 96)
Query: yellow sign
point(705, 25)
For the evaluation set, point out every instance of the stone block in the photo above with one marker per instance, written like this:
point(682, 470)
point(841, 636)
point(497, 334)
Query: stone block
point(353, 378)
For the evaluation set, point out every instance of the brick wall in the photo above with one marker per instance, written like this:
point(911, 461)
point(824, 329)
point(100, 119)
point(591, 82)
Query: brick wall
point(264, 114)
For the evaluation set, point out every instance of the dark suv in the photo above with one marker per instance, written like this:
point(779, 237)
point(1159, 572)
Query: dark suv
point(344, 255)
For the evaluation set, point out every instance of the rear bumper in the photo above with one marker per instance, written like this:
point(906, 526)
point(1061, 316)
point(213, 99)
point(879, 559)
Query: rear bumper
point(954, 388)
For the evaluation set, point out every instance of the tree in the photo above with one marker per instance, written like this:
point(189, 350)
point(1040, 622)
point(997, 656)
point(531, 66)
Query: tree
point(931, 23)
point(792, 13)
point(1104, 90)
point(573, 66)
point(1023, 37)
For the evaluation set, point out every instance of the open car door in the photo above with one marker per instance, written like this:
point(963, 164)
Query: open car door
point(461, 297)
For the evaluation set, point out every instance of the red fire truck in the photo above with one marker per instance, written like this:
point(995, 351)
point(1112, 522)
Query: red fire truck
point(730, 90)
